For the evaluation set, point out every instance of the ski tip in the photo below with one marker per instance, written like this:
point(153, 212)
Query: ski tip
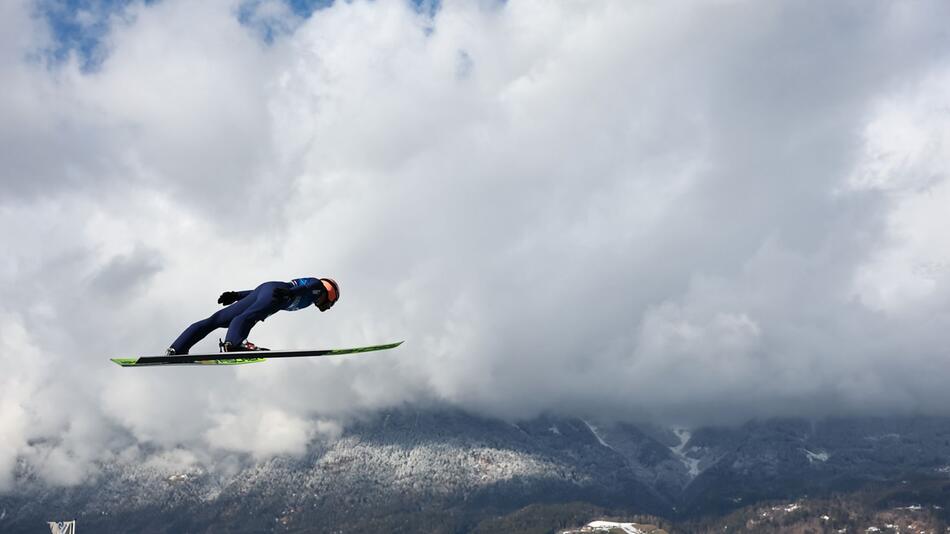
point(125, 362)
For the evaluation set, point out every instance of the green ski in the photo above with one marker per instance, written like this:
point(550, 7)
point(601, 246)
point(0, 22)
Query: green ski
point(232, 358)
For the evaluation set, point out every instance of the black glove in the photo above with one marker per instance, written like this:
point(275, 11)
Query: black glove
point(281, 293)
point(228, 297)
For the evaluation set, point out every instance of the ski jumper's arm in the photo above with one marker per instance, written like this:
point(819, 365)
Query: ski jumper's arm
point(230, 297)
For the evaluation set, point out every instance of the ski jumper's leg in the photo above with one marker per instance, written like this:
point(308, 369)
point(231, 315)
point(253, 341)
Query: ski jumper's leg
point(263, 306)
point(202, 328)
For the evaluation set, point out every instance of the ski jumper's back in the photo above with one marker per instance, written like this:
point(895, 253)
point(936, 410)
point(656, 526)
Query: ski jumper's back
point(304, 292)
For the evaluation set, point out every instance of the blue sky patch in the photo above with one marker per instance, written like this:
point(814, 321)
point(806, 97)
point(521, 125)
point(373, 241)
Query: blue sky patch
point(305, 8)
point(78, 27)
point(253, 14)
point(427, 7)
point(259, 16)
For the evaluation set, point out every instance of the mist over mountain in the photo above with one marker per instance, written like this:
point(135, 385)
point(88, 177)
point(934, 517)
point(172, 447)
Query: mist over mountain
point(448, 471)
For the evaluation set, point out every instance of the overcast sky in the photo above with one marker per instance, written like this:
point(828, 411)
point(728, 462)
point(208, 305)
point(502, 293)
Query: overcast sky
point(682, 212)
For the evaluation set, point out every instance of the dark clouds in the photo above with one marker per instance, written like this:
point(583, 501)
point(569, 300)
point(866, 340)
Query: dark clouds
point(690, 213)
point(125, 273)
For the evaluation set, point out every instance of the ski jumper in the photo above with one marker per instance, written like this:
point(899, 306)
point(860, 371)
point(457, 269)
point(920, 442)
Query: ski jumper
point(252, 307)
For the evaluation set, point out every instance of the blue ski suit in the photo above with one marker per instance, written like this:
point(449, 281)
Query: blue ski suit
point(251, 307)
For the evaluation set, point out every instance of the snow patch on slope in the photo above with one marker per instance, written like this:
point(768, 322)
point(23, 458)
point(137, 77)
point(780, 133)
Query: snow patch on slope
point(594, 431)
point(627, 528)
point(692, 464)
point(442, 468)
point(820, 456)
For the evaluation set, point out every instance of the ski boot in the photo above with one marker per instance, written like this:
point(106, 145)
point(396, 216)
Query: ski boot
point(246, 346)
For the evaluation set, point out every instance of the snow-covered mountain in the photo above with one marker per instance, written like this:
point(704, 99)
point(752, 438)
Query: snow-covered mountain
point(446, 470)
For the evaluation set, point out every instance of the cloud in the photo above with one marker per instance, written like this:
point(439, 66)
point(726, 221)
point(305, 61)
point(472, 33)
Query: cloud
point(690, 213)
point(125, 273)
point(263, 432)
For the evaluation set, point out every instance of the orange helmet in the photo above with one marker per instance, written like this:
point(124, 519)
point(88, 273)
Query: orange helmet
point(333, 292)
